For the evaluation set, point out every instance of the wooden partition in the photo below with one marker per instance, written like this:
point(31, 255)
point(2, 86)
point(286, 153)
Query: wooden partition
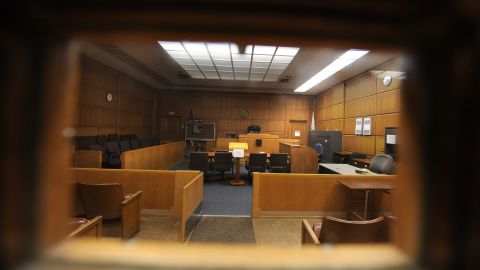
point(303, 159)
point(182, 178)
point(155, 157)
point(270, 143)
point(157, 186)
point(192, 197)
point(283, 194)
point(87, 159)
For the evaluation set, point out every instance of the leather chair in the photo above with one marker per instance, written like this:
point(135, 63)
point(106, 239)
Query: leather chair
point(199, 161)
point(113, 138)
point(278, 163)
point(120, 213)
point(113, 153)
point(124, 146)
point(223, 161)
point(257, 162)
point(339, 231)
point(134, 144)
point(382, 164)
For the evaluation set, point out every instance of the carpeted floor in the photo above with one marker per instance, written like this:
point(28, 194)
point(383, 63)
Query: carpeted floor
point(225, 230)
point(219, 198)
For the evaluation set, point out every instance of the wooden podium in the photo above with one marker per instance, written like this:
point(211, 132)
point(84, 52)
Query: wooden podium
point(238, 151)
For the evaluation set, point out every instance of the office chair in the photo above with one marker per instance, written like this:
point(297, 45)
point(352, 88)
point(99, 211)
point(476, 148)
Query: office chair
point(319, 149)
point(120, 213)
point(113, 138)
point(223, 161)
point(279, 163)
point(124, 146)
point(257, 162)
point(113, 154)
point(199, 161)
point(338, 231)
point(382, 164)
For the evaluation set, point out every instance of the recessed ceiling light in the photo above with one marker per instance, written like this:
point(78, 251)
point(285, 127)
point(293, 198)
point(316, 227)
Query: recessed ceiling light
point(217, 58)
point(289, 51)
point(171, 45)
point(259, 49)
point(341, 62)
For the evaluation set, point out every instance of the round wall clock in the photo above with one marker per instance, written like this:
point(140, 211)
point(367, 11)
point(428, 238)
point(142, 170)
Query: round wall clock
point(387, 80)
point(109, 97)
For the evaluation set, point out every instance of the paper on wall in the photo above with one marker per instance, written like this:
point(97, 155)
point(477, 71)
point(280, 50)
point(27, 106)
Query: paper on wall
point(297, 133)
point(358, 126)
point(391, 139)
point(238, 153)
point(367, 125)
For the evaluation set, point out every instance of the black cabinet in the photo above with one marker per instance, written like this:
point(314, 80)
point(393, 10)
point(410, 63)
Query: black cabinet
point(331, 141)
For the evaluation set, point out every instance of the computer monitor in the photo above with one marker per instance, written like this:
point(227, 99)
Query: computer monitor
point(391, 142)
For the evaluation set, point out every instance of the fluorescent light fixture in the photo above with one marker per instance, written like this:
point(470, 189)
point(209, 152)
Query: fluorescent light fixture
point(341, 62)
point(211, 60)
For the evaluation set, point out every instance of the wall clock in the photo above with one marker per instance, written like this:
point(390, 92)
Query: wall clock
point(387, 80)
point(109, 97)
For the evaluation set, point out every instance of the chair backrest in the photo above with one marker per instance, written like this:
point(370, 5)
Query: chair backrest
point(132, 137)
point(124, 137)
point(101, 199)
point(113, 147)
point(198, 161)
point(382, 163)
point(134, 144)
point(336, 231)
point(222, 161)
point(358, 155)
point(279, 159)
point(124, 146)
point(101, 139)
point(113, 138)
point(319, 148)
point(257, 161)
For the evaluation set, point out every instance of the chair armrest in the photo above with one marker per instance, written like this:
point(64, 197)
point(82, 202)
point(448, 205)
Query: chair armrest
point(93, 227)
point(132, 197)
point(308, 236)
point(131, 215)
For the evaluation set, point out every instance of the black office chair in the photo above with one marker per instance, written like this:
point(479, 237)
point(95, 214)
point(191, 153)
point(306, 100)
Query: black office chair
point(382, 164)
point(124, 146)
point(279, 163)
point(199, 161)
point(113, 138)
point(134, 144)
point(223, 161)
point(257, 162)
point(113, 153)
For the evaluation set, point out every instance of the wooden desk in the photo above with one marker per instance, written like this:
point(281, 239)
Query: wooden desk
point(343, 169)
point(341, 157)
point(303, 159)
point(366, 186)
point(361, 162)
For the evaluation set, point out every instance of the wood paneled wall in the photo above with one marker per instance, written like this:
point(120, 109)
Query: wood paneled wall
point(131, 110)
point(364, 96)
point(272, 112)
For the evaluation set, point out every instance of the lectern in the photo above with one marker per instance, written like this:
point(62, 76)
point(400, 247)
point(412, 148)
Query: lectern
point(238, 152)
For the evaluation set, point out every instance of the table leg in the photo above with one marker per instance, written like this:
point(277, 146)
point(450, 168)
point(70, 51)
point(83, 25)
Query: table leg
point(365, 210)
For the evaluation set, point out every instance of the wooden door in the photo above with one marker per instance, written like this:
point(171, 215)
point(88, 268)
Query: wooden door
point(299, 130)
point(171, 128)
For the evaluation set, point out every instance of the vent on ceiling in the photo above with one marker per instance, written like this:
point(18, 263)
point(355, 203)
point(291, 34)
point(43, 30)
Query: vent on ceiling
point(285, 79)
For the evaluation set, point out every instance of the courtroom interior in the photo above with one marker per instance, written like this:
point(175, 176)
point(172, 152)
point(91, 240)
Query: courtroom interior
point(137, 141)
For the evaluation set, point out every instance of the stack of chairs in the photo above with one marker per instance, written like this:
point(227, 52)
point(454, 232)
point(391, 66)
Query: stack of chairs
point(112, 145)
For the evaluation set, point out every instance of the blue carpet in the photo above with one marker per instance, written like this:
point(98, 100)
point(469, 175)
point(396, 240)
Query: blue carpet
point(219, 198)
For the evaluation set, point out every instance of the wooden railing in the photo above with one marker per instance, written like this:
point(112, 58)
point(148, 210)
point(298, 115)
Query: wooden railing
point(156, 157)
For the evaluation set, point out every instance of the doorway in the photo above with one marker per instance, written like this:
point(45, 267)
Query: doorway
point(298, 130)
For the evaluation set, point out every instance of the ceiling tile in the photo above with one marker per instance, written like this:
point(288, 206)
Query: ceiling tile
point(259, 49)
point(262, 58)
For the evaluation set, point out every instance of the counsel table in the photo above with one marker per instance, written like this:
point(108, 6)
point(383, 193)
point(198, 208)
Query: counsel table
point(366, 185)
point(344, 169)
